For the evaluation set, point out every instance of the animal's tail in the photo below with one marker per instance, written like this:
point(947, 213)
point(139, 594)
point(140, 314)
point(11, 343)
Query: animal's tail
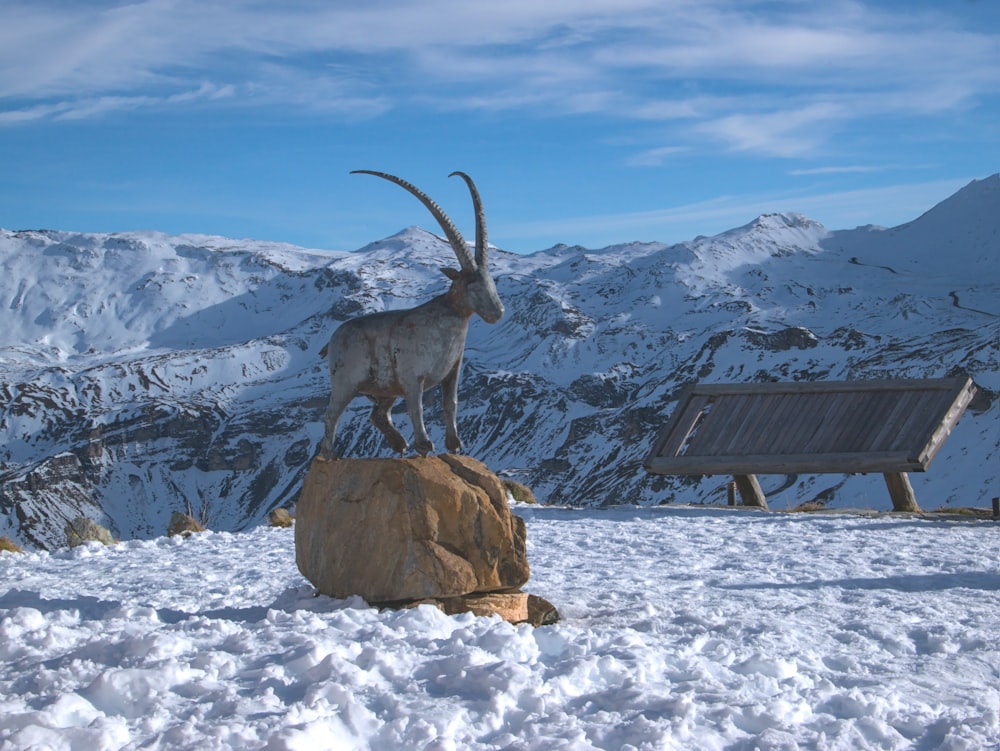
point(322, 352)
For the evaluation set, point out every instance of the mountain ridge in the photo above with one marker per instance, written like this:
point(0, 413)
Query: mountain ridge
point(144, 372)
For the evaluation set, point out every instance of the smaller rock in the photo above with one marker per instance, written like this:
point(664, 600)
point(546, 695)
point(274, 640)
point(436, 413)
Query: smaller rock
point(810, 506)
point(518, 491)
point(280, 517)
point(541, 612)
point(82, 530)
point(183, 524)
point(514, 607)
point(8, 545)
point(511, 606)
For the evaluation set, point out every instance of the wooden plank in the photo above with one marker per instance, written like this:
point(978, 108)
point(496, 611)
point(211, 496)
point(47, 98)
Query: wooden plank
point(750, 491)
point(847, 412)
point(844, 420)
point(917, 426)
point(744, 421)
point(882, 408)
point(877, 407)
point(793, 387)
point(787, 464)
point(808, 420)
point(788, 424)
point(892, 424)
point(901, 492)
point(773, 438)
point(826, 416)
point(766, 407)
point(960, 401)
point(768, 411)
point(798, 419)
point(826, 419)
point(741, 414)
point(729, 412)
point(672, 437)
point(711, 421)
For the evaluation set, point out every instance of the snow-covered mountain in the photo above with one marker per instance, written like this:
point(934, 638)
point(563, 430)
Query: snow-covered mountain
point(142, 373)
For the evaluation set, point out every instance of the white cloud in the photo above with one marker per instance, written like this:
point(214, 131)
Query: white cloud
point(29, 114)
point(770, 78)
point(784, 133)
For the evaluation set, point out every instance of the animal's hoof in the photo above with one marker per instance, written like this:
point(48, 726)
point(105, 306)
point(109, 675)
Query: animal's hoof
point(326, 452)
point(454, 445)
point(423, 447)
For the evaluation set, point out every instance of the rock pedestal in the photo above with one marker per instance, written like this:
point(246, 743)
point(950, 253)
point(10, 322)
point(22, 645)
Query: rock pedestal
point(82, 530)
point(405, 531)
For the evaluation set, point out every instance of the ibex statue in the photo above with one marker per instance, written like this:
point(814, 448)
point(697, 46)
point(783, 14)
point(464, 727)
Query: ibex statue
point(403, 353)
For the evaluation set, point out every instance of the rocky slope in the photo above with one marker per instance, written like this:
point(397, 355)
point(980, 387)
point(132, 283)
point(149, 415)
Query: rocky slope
point(141, 373)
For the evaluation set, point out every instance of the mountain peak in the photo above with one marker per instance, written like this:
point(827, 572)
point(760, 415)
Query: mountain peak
point(978, 201)
point(959, 237)
point(783, 220)
point(784, 228)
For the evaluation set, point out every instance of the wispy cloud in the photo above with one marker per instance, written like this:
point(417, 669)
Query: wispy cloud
point(787, 133)
point(769, 78)
point(84, 108)
point(836, 170)
point(655, 157)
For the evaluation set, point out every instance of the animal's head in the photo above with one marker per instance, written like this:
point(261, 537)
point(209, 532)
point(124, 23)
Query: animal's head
point(471, 284)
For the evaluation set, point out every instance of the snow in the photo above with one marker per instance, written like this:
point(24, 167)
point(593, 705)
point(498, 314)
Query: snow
point(683, 628)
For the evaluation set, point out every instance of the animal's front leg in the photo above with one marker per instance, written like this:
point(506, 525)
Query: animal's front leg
point(449, 401)
point(415, 406)
point(339, 399)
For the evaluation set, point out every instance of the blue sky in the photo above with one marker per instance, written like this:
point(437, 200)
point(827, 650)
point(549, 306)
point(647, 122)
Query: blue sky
point(587, 122)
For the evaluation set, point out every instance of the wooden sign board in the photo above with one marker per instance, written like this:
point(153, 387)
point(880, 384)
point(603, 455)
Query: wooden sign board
point(890, 426)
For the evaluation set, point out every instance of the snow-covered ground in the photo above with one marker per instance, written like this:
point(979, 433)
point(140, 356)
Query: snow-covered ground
point(683, 628)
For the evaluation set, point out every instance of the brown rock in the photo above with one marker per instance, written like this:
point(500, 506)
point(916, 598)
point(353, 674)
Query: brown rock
point(82, 530)
point(393, 530)
point(8, 545)
point(541, 612)
point(183, 524)
point(519, 491)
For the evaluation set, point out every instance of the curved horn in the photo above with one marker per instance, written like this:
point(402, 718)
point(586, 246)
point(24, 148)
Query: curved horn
point(465, 260)
point(481, 244)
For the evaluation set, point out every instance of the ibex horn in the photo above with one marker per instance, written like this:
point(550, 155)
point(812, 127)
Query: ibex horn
point(477, 204)
point(465, 260)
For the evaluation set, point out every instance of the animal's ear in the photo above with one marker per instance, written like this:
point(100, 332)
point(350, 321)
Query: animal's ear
point(451, 273)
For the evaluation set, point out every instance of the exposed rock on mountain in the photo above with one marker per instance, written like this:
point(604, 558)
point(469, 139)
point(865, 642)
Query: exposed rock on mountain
point(141, 373)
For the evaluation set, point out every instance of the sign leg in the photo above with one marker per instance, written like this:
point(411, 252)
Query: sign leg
point(901, 491)
point(750, 491)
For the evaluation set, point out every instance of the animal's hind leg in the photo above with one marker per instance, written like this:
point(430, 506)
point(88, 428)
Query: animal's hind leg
point(381, 418)
point(415, 406)
point(449, 400)
point(339, 399)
